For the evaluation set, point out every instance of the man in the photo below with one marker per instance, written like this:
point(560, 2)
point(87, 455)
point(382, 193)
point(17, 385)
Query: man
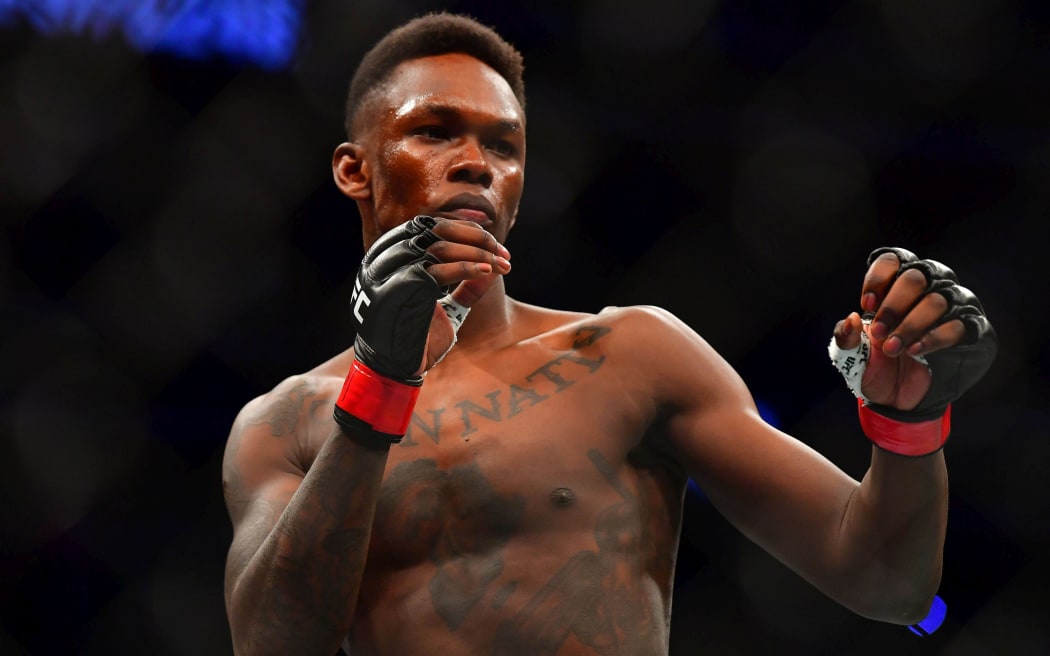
point(517, 488)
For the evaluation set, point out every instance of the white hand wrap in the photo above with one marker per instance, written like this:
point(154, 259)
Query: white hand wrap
point(456, 314)
point(851, 363)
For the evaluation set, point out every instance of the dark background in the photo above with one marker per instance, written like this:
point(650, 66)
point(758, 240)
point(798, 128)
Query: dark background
point(173, 245)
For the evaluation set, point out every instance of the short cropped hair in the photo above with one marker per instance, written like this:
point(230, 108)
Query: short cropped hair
point(435, 33)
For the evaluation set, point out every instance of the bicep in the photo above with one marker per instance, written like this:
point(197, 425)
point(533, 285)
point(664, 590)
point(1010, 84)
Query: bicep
point(775, 489)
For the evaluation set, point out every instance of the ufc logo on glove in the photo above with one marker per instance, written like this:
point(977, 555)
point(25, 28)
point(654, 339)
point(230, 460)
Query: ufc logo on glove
point(357, 299)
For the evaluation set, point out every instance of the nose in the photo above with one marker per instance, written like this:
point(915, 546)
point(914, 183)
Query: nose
point(470, 164)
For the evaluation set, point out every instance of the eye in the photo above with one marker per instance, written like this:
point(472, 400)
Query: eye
point(433, 132)
point(504, 148)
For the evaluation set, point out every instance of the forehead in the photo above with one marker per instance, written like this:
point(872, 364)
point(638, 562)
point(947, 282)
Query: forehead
point(453, 80)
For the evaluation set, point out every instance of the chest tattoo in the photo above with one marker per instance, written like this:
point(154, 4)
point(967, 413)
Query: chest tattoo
point(463, 523)
point(550, 378)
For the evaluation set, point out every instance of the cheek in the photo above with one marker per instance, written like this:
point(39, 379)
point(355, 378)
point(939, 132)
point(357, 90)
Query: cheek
point(403, 183)
point(513, 185)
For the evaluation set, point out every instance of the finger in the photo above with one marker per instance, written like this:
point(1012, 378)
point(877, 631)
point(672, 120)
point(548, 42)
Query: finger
point(943, 336)
point(382, 263)
point(847, 332)
point(447, 251)
point(451, 273)
point(926, 314)
point(907, 289)
point(471, 234)
point(878, 280)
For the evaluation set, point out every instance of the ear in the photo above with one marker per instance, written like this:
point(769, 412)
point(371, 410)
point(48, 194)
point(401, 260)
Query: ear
point(351, 172)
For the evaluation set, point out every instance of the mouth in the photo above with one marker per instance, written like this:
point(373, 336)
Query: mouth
point(469, 207)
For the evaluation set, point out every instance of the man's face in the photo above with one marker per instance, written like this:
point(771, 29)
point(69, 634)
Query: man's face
point(447, 138)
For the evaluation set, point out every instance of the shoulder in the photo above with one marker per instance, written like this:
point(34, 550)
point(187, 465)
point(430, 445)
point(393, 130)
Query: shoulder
point(657, 327)
point(659, 347)
point(291, 405)
point(638, 331)
point(284, 424)
point(621, 328)
point(651, 317)
point(296, 404)
point(630, 318)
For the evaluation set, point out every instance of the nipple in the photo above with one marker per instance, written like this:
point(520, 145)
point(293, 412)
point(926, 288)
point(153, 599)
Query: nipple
point(562, 497)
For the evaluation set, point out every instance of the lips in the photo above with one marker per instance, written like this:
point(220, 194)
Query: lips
point(469, 207)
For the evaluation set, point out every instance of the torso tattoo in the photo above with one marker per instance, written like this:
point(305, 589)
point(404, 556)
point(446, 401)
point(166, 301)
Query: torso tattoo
point(515, 515)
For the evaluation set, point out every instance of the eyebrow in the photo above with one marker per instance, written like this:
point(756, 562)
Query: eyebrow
point(449, 112)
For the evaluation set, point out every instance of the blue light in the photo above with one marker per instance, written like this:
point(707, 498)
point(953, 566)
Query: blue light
point(7, 12)
point(767, 413)
point(262, 32)
point(933, 619)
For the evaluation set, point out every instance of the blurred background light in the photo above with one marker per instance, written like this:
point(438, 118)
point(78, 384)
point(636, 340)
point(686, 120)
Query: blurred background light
point(261, 33)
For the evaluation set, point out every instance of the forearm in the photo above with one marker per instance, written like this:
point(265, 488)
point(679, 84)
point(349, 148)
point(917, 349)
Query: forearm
point(299, 591)
point(892, 536)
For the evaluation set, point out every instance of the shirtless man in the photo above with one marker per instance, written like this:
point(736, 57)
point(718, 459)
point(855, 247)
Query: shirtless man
point(520, 490)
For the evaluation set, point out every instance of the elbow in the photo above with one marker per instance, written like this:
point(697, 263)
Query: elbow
point(914, 610)
point(886, 595)
point(903, 606)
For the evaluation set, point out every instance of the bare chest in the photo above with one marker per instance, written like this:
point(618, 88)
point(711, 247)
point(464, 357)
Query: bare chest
point(517, 498)
point(511, 450)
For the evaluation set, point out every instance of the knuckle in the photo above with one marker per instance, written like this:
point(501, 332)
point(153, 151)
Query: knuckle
point(907, 333)
point(937, 340)
point(913, 277)
point(438, 249)
point(946, 335)
point(938, 303)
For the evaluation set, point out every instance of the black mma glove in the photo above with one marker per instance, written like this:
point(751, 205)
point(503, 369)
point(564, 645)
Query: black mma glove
point(925, 428)
point(392, 304)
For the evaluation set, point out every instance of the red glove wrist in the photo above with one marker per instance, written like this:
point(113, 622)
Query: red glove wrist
point(905, 438)
point(380, 402)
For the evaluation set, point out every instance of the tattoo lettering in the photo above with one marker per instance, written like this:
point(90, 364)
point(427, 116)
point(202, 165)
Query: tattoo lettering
point(521, 397)
point(430, 430)
point(492, 412)
point(462, 521)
